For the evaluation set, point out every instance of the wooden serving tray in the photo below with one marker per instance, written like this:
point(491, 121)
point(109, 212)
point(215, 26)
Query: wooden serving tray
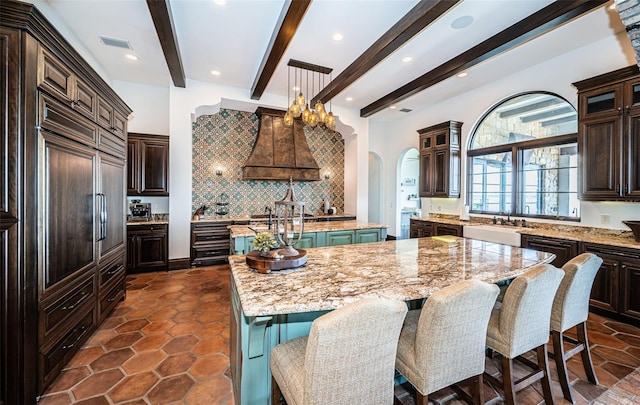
point(265, 265)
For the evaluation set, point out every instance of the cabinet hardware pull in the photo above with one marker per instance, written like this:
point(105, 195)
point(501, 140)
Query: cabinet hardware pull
point(75, 102)
point(115, 296)
point(82, 329)
point(623, 267)
point(548, 242)
point(72, 306)
point(114, 270)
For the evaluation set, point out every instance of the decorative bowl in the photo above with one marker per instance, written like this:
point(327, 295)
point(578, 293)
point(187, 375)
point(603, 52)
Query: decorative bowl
point(635, 227)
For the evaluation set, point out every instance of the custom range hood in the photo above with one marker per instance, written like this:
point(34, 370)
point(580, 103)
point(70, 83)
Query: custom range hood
point(280, 152)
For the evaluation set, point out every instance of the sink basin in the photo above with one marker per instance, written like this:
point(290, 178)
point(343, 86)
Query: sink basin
point(493, 233)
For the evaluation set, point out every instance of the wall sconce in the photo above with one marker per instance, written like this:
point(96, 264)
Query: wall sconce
point(327, 176)
point(218, 171)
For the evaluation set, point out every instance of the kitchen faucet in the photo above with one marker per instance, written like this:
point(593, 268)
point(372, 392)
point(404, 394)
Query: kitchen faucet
point(268, 209)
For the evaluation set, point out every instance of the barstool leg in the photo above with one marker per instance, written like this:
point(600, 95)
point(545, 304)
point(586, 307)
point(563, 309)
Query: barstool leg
point(421, 399)
point(275, 392)
point(507, 381)
point(561, 365)
point(544, 365)
point(586, 353)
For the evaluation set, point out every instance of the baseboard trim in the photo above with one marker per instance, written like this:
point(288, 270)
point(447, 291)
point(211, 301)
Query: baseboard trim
point(178, 264)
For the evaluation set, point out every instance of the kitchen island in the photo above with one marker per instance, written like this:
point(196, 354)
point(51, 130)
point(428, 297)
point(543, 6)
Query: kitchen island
point(268, 309)
point(315, 234)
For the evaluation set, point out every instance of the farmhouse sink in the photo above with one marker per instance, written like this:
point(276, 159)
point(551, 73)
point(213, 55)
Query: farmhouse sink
point(507, 235)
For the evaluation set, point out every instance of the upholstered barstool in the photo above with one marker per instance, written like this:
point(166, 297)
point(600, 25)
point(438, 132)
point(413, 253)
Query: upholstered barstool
point(443, 343)
point(571, 308)
point(521, 323)
point(348, 357)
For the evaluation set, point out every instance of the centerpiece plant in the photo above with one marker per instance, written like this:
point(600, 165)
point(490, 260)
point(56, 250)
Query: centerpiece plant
point(264, 242)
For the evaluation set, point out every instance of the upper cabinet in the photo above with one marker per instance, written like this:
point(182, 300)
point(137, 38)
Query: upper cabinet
point(440, 160)
point(148, 165)
point(609, 136)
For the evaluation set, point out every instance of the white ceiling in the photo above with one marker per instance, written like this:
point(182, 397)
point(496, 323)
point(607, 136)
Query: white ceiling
point(233, 39)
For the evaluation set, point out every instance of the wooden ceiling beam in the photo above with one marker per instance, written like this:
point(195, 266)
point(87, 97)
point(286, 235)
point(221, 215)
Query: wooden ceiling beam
point(419, 17)
point(546, 19)
point(161, 15)
point(286, 27)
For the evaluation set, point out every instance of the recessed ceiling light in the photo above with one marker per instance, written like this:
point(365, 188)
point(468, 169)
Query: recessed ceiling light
point(215, 73)
point(337, 37)
point(463, 74)
point(407, 59)
point(462, 22)
point(349, 98)
point(220, 2)
point(393, 107)
point(131, 56)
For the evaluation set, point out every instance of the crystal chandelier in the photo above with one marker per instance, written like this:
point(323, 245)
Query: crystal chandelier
point(300, 107)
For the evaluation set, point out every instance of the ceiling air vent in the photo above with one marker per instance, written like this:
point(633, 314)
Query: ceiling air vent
point(118, 43)
point(405, 110)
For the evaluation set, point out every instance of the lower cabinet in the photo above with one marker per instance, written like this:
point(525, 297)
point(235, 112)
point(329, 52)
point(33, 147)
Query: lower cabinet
point(338, 238)
point(564, 250)
point(423, 229)
point(147, 247)
point(616, 288)
point(209, 243)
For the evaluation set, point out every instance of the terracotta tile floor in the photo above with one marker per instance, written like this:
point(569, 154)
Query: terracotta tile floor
point(168, 343)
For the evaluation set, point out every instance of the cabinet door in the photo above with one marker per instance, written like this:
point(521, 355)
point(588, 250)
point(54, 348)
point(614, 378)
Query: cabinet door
point(84, 100)
point(601, 102)
point(564, 250)
point(599, 144)
point(336, 238)
point(440, 173)
point(133, 167)
point(367, 235)
point(632, 151)
point(604, 293)
point(153, 250)
point(154, 158)
point(53, 76)
point(111, 216)
point(67, 218)
point(426, 174)
point(630, 289)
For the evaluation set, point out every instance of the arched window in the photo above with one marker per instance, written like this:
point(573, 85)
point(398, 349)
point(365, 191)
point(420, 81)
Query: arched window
point(523, 159)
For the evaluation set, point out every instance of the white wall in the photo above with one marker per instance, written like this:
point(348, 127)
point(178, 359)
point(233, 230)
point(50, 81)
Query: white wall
point(150, 105)
point(555, 76)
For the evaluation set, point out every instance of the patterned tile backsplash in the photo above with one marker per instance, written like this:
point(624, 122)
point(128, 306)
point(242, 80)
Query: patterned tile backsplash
point(224, 141)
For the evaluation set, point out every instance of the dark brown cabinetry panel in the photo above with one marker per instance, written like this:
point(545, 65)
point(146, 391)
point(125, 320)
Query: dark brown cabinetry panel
point(564, 250)
point(52, 175)
point(423, 229)
point(148, 166)
point(210, 243)
point(111, 205)
point(147, 248)
point(609, 136)
point(440, 160)
point(615, 289)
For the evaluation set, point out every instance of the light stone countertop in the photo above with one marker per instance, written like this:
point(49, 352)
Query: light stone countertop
point(603, 236)
point(404, 270)
point(324, 226)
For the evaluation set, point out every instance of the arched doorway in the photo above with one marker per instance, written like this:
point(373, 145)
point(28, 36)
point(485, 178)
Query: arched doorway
point(408, 189)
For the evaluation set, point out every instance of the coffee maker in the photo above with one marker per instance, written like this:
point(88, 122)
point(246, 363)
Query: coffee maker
point(140, 211)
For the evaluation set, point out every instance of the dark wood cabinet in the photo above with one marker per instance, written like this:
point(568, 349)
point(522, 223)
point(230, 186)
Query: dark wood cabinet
point(564, 250)
point(609, 135)
point(62, 202)
point(423, 229)
point(440, 160)
point(148, 165)
point(616, 287)
point(147, 247)
point(210, 242)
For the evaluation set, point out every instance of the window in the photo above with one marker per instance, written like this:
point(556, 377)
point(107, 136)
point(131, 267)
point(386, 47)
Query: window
point(523, 159)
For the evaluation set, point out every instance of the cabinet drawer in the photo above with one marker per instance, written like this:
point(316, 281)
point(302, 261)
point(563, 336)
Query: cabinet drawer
point(154, 229)
point(54, 359)
point(56, 313)
point(111, 144)
point(111, 271)
point(59, 119)
point(205, 237)
point(111, 297)
point(217, 249)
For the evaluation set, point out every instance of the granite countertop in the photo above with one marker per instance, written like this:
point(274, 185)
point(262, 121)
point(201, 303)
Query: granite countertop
point(404, 269)
point(327, 226)
point(613, 237)
point(150, 222)
point(262, 219)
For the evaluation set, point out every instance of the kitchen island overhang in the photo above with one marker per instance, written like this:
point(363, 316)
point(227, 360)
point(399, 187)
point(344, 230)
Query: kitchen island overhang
point(268, 309)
